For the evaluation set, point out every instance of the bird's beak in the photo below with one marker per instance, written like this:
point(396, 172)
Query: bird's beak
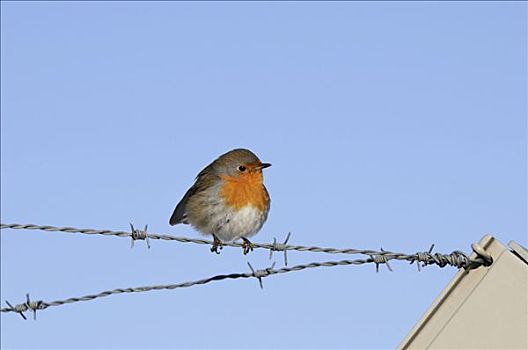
point(263, 165)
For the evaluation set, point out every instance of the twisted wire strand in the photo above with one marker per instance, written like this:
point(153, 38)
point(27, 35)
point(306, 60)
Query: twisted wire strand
point(258, 274)
point(456, 258)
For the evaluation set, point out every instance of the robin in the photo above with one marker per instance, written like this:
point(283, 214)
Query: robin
point(228, 199)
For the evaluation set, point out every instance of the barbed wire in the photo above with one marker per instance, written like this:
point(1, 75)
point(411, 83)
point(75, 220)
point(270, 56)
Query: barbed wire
point(34, 306)
point(455, 258)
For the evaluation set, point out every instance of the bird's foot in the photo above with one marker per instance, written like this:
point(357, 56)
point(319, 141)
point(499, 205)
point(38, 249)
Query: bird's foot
point(247, 246)
point(217, 245)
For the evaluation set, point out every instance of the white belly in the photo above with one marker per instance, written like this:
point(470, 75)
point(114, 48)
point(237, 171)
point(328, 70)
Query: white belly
point(244, 222)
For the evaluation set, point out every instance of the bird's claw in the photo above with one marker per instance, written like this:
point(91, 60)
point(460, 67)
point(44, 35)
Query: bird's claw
point(217, 245)
point(247, 246)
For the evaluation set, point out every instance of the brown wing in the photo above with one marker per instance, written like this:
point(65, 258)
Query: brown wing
point(179, 216)
point(204, 180)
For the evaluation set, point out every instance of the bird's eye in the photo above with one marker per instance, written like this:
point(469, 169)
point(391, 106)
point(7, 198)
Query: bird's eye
point(242, 168)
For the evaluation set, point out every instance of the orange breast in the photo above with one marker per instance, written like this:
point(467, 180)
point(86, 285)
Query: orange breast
point(246, 189)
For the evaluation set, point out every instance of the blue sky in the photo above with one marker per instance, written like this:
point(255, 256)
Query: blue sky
point(393, 125)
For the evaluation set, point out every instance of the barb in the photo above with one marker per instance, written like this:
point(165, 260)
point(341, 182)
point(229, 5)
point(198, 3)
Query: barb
point(258, 274)
point(456, 258)
point(381, 259)
point(276, 246)
point(421, 257)
point(28, 305)
point(139, 234)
